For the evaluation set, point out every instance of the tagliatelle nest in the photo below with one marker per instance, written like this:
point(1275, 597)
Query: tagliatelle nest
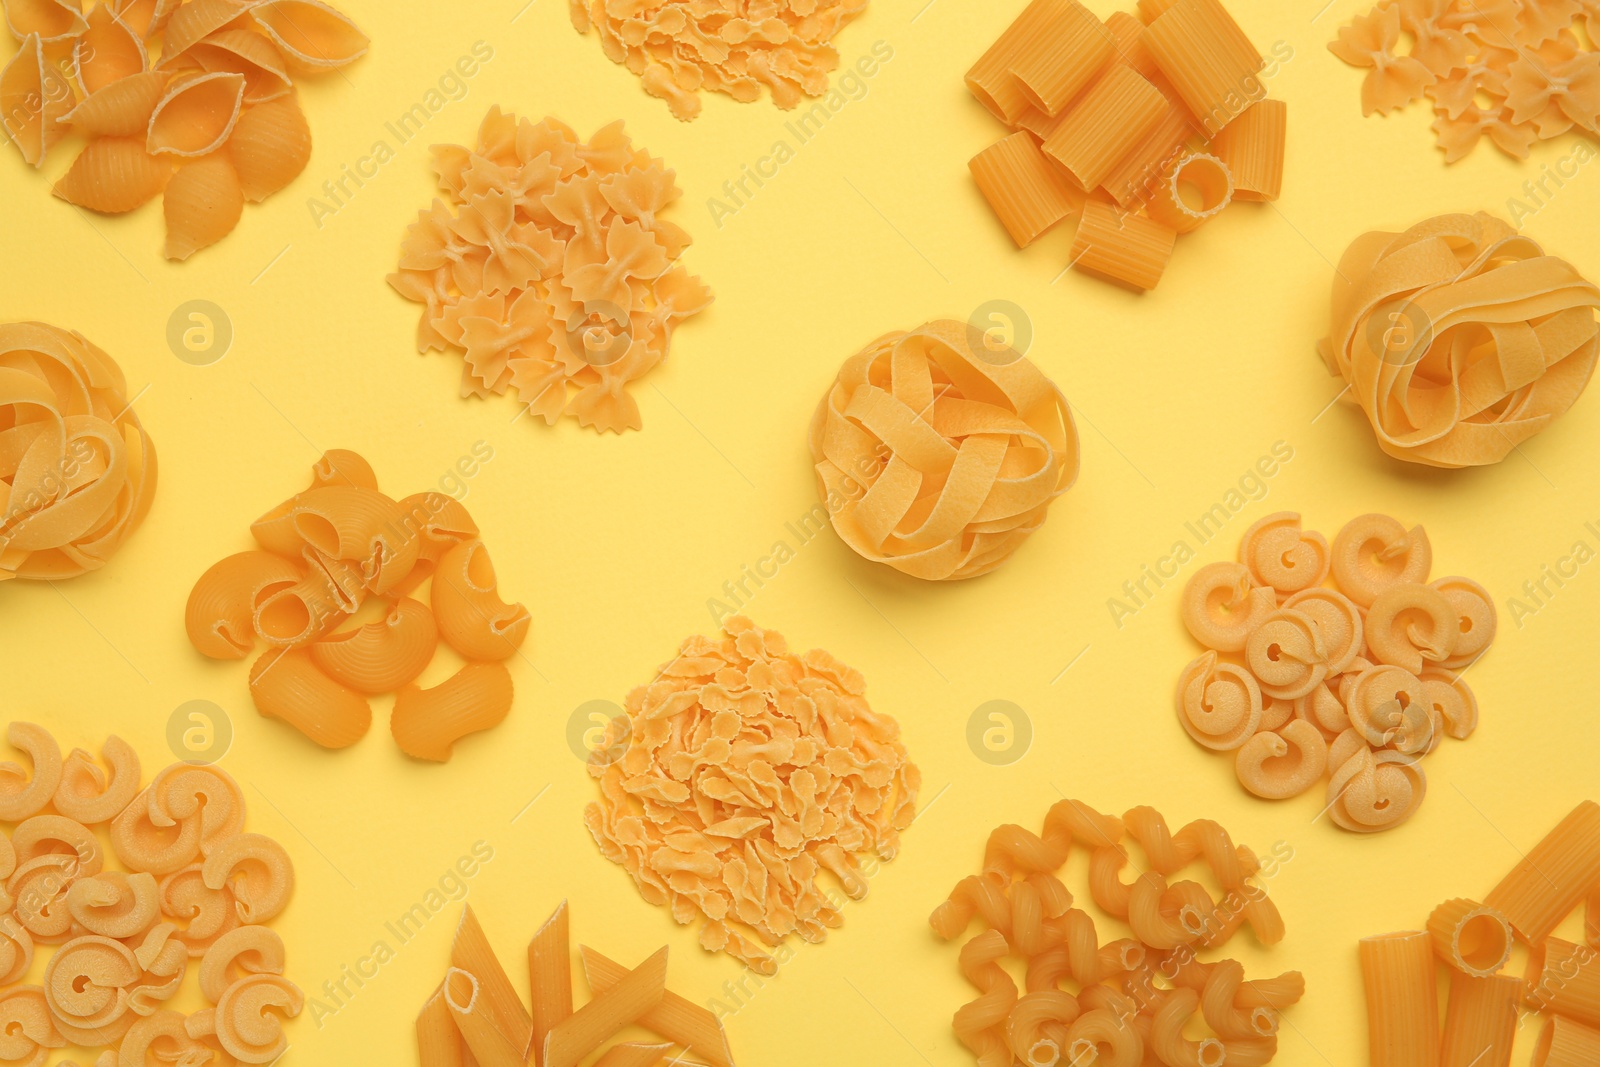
point(1460, 338)
point(739, 776)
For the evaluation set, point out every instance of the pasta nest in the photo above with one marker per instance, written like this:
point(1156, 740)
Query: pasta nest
point(739, 776)
point(1460, 338)
point(78, 471)
point(939, 460)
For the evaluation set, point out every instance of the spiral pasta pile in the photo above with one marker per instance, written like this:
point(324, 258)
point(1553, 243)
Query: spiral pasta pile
point(1359, 680)
point(193, 885)
point(741, 775)
point(1460, 338)
point(1131, 1000)
point(78, 471)
point(193, 99)
point(341, 548)
point(551, 270)
point(938, 454)
point(679, 47)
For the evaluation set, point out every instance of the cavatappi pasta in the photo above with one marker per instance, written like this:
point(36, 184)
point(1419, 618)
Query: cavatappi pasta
point(550, 267)
point(749, 778)
point(1148, 998)
point(476, 1015)
point(191, 100)
point(117, 941)
point(1356, 681)
point(335, 594)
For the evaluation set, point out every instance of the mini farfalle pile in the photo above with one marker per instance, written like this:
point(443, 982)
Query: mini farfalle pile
point(78, 471)
point(551, 269)
point(735, 47)
point(741, 776)
point(1145, 999)
point(193, 99)
point(332, 558)
point(1358, 681)
point(193, 885)
point(1460, 338)
point(1515, 71)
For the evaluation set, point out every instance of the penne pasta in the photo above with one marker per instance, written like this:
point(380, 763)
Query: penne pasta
point(1116, 113)
point(286, 684)
point(1069, 50)
point(1252, 147)
point(1028, 193)
point(1118, 247)
point(1480, 1023)
point(990, 79)
point(220, 614)
point(1553, 878)
point(1210, 62)
point(678, 1020)
point(1564, 1043)
point(426, 723)
point(472, 618)
point(1471, 938)
point(633, 1055)
point(550, 978)
point(1402, 1002)
point(573, 1039)
point(471, 955)
point(439, 1043)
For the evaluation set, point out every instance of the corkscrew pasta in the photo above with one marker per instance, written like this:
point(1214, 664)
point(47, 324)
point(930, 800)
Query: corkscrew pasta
point(1357, 682)
point(326, 558)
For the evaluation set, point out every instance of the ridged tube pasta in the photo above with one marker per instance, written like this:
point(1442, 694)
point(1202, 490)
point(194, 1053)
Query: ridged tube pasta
point(1412, 626)
point(1565, 1043)
point(1282, 764)
point(244, 951)
point(115, 903)
point(1252, 146)
point(1106, 123)
point(1219, 704)
point(1063, 57)
point(1473, 939)
point(472, 618)
point(86, 794)
point(202, 205)
point(220, 614)
point(1373, 552)
point(1338, 622)
point(1282, 555)
point(1286, 654)
point(270, 146)
point(1375, 791)
point(381, 656)
point(1553, 878)
point(1121, 247)
point(1564, 979)
point(1222, 605)
point(113, 175)
point(287, 684)
point(311, 35)
point(1211, 183)
point(22, 796)
point(426, 723)
point(1480, 1021)
point(1402, 1000)
point(250, 1014)
point(256, 869)
point(1026, 192)
point(1476, 620)
point(1210, 62)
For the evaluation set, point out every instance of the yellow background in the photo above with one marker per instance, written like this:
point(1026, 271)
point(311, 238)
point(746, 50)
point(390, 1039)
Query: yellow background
point(616, 544)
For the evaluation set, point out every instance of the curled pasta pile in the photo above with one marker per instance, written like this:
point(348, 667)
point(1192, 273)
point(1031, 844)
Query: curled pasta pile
point(939, 459)
point(476, 1015)
point(1142, 126)
point(78, 471)
point(1357, 681)
point(1460, 338)
point(334, 556)
point(1473, 943)
point(679, 47)
point(1144, 999)
point(193, 99)
point(193, 885)
point(551, 269)
point(1516, 71)
point(746, 773)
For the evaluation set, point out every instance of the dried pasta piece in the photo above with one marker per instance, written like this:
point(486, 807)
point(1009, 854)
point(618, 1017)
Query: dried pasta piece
point(1393, 80)
point(470, 953)
point(85, 793)
point(439, 1043)
point(1553, 878)
point(1222, 605)
point(1170, 202)
point(1219, 704)
point(52, 20)
point(196, 115)
point(680, 1021)
point(550, 979)
point(115, 904)
point(1375, 791)
point(1475, 615)
point(107, 51)
point(1027, 193)
point(1283, 556)
point(582, 1033)
point(1286, 654)
point(313, 36)
point(1480, 1022)
point(240, 952)
point(381, 656)
point(57, 835)
point(472, 618)
point(426, 723)
point(255, 869)
point(1563, 980)
point(1211, 63)
point(1411, 626)
point(22, 796)
point(1069, 50)
point(286, 684)
point(1282, 764)
point(203, 792)
point(1402, 1002)
point(1471, 938)
point(193, 21)
point(207, 914)
point(144, 845)
point(1337, 619)
point(990, 79)
point(1117, 112)
point(249, 1017)
point(202, 205)
point(1129, 249)
point(120, 109)
point(1388, 705)
point(1565, 1043)
point(83, 979)
point(113, 175)
point(162, 1034)
point(241, 51)
point(220, 613)
point(33, 98)
point(270, 146)
point(469, 1008)
point(1138, 173)
point(1452, 701)
point(26, 1019)
point(1375, 552)
point(1252, 148)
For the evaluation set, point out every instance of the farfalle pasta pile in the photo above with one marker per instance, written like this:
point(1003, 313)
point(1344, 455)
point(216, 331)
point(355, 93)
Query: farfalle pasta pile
point(938, 452)
point(77, 470)
point(193, 885)
point(1143, 127)
point(1460, 338)
point(740, 776)
point(736, 47)
point(1144, 999)
point(1517, 71)
point(551, 269)
point(1473, 943)
point(341, 548)
point(1359, 680)
point(193, 99)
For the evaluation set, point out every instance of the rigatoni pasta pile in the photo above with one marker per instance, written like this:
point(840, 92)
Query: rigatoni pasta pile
point(1460, 338)
point(1516, 71)
point(191, 98)
point(77, 470)
point(739, 777)
point(1473, 942)
point(1148, 998)
point(1358, 681)
point(477, 1016)
point(326, 554)
point(194, 885)
point(551, 270)
point(1142, 127)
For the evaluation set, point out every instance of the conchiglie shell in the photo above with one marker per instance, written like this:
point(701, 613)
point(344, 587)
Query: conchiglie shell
point(52, 20)
point(270, 146)
point(472, 618)
point(202, 205)
point(427, 722)
point(113, 175)
point(220, 615)
point(250, 54)
point(285, 684)
point(121, 109)
point(194, 21)
point(381, 656)
point(312, 36)
point(197, 115)
point(145, 17)
point(33, 98)
point(340, 466)
point(107, 51)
